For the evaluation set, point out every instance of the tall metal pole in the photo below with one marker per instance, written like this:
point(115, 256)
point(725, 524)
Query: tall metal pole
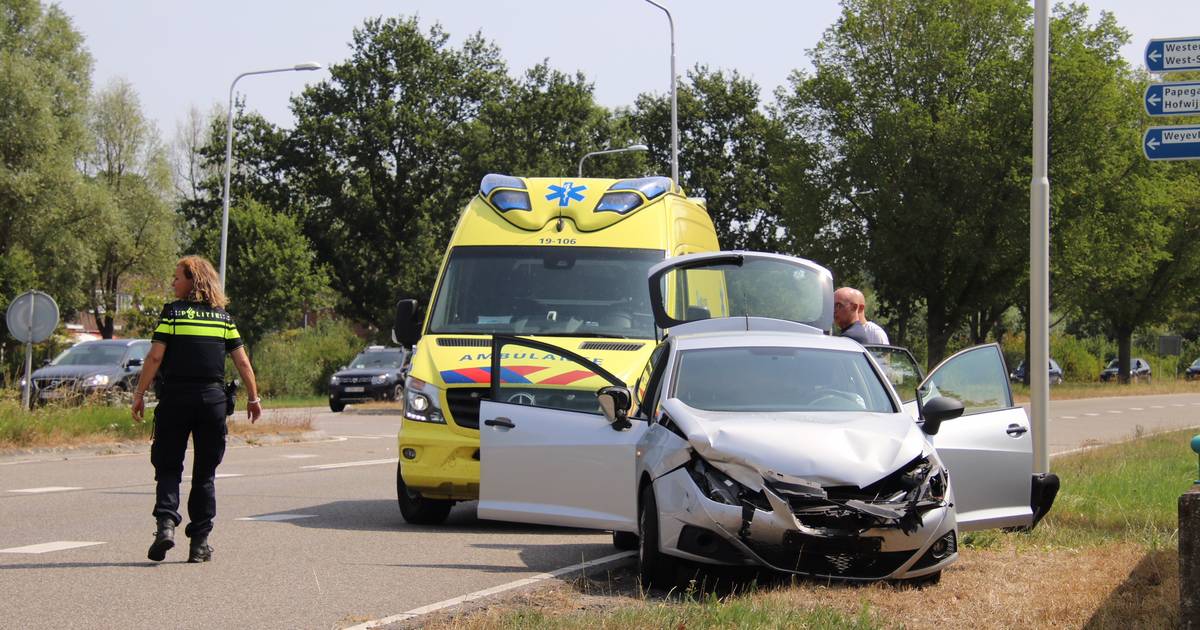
point(27, 394)
point(1039, 242)
point(229, 152)
point(674, 102)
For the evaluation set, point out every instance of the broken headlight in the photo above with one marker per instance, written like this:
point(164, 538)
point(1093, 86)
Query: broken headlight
point(923, 480)
point(719, 487)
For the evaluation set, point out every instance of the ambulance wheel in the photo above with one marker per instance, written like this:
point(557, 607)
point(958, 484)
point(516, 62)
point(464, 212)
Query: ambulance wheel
point(417, 509)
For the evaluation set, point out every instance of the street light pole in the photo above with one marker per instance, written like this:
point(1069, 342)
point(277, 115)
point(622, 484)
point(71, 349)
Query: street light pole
point(229, 151)
point(1039, 243)
point(632, 147)
point(674, 103)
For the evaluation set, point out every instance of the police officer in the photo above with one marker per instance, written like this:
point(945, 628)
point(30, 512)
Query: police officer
point(193, 335)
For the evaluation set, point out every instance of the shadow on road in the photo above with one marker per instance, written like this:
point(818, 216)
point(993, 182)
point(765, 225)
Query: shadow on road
point(382, 515)
point(1148, 598)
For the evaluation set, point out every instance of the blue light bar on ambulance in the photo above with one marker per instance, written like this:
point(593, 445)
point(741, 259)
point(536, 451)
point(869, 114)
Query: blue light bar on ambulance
point(628, 195)
point(505, 192)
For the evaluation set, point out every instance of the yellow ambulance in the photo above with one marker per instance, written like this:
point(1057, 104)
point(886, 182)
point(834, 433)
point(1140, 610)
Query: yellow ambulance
point(560, 260)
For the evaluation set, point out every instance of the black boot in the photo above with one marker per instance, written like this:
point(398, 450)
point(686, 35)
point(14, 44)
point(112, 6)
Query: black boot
point(200, 551)
point(164, 539)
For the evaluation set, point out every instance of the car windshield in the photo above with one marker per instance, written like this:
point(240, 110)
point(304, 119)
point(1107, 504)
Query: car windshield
point(567, 291)
point(377, 360)
point(1115, 364)
point(91, 354)
point(1196, 363)
point(779, 379)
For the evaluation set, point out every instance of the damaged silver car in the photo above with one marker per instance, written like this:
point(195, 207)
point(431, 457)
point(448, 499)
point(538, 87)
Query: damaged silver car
point(753, 438)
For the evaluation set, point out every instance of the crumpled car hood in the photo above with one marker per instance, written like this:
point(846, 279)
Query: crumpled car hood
point(827, 448)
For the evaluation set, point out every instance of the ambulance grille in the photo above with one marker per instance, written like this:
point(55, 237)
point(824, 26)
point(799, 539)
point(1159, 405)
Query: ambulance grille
point(464, 342)
point(610, 345)
point(464, 405)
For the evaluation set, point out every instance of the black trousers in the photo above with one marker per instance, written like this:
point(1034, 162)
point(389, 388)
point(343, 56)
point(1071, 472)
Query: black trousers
point(199, 411)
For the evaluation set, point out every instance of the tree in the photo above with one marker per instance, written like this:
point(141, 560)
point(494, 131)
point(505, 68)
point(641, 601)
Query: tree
point(378, 153)
point(272, 274)
point(134, 229)
point(724, 152)
point(921, 113)
point(45, 75)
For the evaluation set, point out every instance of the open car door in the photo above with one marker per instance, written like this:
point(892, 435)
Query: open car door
point(989, 449)
point(547, 453)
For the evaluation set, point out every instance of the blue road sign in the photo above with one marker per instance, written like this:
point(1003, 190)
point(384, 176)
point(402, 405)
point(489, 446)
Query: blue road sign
point(1172, 99)
point(1172, 143)
point(1173, 55)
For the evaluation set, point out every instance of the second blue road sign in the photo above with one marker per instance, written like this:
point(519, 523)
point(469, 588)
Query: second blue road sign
point(1172, 99)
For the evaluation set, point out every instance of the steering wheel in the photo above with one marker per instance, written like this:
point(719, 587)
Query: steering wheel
point(827, 395)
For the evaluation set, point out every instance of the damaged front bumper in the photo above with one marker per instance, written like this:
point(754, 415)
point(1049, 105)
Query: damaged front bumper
point(855, 540)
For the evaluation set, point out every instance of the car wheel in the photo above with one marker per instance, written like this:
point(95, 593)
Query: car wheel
point(654, 567)
point(1057, 380)
point(398, 393)
point(336, 405)
point(417, 509)
point(625, 541)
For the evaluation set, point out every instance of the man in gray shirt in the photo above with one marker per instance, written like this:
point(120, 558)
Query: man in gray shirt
point(849, 313)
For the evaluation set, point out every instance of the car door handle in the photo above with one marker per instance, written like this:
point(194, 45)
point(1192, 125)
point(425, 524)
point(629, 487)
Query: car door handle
point(1016, 430)
point(500, 422)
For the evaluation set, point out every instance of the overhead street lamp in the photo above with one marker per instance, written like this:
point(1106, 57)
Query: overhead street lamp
point(674, 106)
point(632, 147)
point(312, 65)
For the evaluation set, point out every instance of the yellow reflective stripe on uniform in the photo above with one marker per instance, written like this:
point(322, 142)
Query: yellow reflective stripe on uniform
point(163, 328)
point(232, 333)
point(200, 331)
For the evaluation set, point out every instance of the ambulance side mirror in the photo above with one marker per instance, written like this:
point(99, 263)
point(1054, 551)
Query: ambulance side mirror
point(405, 328)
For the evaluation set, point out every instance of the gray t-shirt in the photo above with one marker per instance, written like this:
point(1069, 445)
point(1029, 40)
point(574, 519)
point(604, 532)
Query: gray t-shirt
point(857, 332)
point(875, 334)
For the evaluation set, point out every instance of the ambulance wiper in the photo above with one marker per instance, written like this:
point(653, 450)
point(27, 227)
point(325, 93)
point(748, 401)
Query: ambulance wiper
point(581, 334)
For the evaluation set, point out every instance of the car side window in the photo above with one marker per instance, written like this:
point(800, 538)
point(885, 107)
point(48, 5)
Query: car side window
point(650, 383)
point(975, 377)
point(537, 374)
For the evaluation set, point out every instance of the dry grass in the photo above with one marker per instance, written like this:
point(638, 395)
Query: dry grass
point(1072, 391)
point(1124, 586)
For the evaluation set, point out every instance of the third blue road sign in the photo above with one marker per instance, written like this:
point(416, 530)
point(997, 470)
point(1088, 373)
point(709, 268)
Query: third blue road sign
point(1172, 99)
point(1172, 143)
point(1173, 55)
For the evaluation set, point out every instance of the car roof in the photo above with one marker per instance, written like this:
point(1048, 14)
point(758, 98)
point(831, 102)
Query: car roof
point(110, 342)
point(738, 338)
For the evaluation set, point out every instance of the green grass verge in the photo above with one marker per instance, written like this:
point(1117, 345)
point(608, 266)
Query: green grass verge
point(700, 614)
point(57, 426)
point(287, 402)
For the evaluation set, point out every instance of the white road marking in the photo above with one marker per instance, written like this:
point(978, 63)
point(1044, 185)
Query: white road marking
point(1136, 409)
point(447, 603)
point(1091, 414)
point(275, 517)
point(362, 437)
point(1114, 411)
point(369, 462)
point(59, 545)
point(301, 456)
point(1196, 404)
point(1156, 406)
point(46, 489)
point(219, 476)
point(1067, 417)
point(1177, 405)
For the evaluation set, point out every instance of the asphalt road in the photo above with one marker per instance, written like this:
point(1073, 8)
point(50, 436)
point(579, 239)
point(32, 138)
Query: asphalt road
point(308, 534)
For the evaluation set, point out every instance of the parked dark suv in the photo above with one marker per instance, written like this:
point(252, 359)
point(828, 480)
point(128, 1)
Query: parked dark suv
point(109, 367)
point(373, 375)
point(1056, 373)
point(1139, 370)
point(1192, 371)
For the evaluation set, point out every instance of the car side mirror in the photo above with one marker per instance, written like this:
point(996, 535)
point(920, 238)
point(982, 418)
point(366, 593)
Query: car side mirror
point(614, 402)
point(133, 363)
point(404, 327)
point(45, 362)
point(937, 411)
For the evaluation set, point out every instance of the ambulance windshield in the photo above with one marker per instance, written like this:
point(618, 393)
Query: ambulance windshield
point(564, 291)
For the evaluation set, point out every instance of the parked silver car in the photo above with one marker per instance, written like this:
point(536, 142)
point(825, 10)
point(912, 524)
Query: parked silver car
point(760, 441)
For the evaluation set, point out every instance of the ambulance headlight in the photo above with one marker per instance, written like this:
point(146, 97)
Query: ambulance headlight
point(421, 402)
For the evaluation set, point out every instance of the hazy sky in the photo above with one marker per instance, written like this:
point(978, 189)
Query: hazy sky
point(181, 53)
